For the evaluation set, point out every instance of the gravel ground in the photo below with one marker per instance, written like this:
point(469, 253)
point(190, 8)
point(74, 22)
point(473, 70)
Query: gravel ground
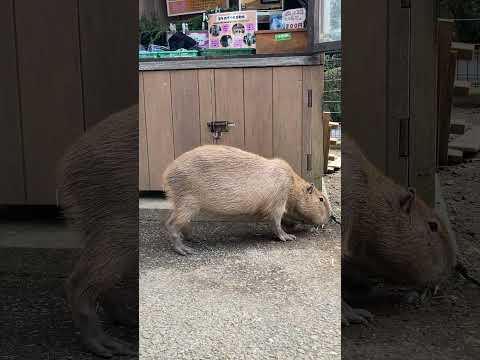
point(242, 295)
point(35, 321)
point(449, 326)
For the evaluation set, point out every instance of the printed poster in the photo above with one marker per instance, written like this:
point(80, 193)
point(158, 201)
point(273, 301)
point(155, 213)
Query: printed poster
point(232, 30)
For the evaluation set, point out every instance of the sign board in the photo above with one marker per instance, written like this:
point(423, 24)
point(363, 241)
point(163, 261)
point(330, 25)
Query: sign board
point(184, 7)
point(261, 5)
point(294, 18)
point(232, 30)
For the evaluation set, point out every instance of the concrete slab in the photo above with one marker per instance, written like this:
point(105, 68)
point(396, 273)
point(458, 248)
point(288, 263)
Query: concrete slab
point(36, 234)
point(154, 203)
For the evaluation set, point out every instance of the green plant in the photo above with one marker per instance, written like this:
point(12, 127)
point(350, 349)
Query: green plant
point(151, 30)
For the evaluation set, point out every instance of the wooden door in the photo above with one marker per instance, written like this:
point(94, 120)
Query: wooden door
point(11, 152)
point(50, 92)
point(389, 87)
point(109, 60)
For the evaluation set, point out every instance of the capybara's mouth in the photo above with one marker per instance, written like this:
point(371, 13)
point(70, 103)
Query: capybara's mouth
point(333, 219)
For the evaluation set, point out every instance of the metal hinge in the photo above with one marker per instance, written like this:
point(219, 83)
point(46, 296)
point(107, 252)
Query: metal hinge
point(309, 95)
point(406, 4)
point(309, 162)
point(404, 137)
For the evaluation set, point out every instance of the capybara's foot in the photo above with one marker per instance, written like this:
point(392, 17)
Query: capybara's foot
point(354, 316)
point(121, 314)
point(286, 237)
point(106, 346)
point(181, 248)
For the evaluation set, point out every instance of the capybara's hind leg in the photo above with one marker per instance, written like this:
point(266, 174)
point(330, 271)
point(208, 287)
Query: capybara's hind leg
point(97, 271)
point(276, 222)
point(179, 219)
point(121, 302)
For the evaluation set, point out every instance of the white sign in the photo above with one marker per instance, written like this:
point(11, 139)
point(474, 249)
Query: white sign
point(294, 18)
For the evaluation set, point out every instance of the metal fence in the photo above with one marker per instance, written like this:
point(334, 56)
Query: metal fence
point(469, 70)
point(332, 98)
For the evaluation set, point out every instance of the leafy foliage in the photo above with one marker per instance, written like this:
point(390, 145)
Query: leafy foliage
point(467, 31)
point(333, 85)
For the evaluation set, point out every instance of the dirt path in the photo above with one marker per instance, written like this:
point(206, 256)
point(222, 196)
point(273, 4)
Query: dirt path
point(449, 326)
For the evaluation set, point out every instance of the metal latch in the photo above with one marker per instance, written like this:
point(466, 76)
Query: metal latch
point(404, 137)
point(217, 127)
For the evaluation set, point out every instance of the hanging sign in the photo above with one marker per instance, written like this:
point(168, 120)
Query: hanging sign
point(294, 18)
point(184, 7)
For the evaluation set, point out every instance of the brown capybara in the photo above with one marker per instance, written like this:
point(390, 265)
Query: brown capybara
point(228, 182)
point(388, 231)
point(99, 195)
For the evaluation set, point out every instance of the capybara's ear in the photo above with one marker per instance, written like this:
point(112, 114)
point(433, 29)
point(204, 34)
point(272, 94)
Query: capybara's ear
point(310, 189)
point(407, 200)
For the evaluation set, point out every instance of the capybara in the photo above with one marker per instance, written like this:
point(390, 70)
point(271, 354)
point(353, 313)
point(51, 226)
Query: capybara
point(99, 195)
point(388, 231)
point(229, 182)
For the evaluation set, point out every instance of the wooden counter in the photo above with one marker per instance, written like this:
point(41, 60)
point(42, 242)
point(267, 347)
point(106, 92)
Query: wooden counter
point(275, 103)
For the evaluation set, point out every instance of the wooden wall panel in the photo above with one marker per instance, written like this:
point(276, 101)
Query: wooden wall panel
point(206, 94)
point(158, 112)
point(11, 153)
point(109, 56)
point(51, 95)
point(258, 92)
point(423, 105)
point(185, 110)
point(229, 105)
point(143, 168)
point(287, 115)
point(364, 76)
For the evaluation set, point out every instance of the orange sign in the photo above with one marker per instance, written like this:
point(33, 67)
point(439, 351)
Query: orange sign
point(183, 7)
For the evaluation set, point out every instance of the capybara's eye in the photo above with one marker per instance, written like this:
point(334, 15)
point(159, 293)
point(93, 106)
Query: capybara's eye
point(321, 199)
point(433, 226)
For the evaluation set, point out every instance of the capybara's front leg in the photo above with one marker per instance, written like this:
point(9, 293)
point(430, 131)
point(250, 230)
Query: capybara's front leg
point(354, 316)
point(97, 271)
point(276, 222)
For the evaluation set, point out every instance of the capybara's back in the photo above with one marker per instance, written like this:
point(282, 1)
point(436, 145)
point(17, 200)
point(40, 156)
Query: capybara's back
point(227, 180)
point(100, 175)
point(99, 196)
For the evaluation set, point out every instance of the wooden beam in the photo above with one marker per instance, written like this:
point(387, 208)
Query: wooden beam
point(455, 156)
point(462, 88)
point(457, 126)
point(446, 76)
point(469, 142)
point(464, 51)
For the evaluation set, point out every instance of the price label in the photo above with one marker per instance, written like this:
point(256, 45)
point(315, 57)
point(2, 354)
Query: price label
point(294, 18)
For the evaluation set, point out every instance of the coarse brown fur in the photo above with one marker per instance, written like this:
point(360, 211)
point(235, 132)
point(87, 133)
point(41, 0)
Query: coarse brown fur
point(226, 181)
point(387, 230)
point(99, 195)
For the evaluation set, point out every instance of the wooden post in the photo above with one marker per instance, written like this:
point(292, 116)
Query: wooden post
point(445, 87)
